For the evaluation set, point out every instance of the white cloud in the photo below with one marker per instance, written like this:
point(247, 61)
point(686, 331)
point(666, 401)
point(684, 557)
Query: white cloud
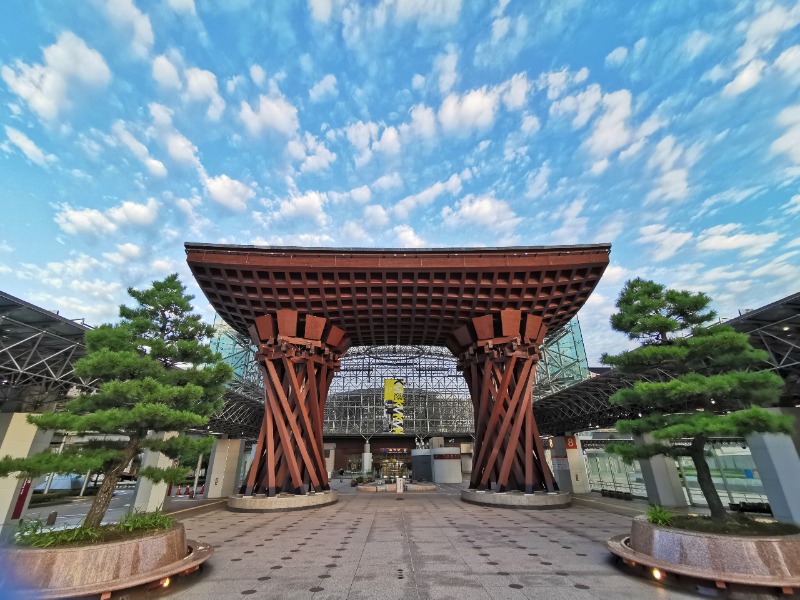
point(673, 161)
point(792, 207)
point(484, 211)
point(695, 43)
point(422, 125)
point(583, 104)
point(165, 74)
point(403, 209)
point(537, 182)
point(28, 147)
point(745, 79)
point(308, 206)
point(389, 142)
point(138, 149)
point(361, 135)
point(474, 110)
point(610, 131)
point(666, 240)
point(731, 237)
point(789, 61)
point(132, 213)
point(530, 124)
point(515, 91)
point(389, 181)
point(273, 112)
point(202, 85)
point(353, 231)
point(763, 32)
point(313, 153)
point(125, 15)
point(324, 87)
point(321, 9)
point(789, 142)
point(418, 81)
point(573, 224)
point(258, 74)
point(599, 167)
point(45, 87)
point(182, 6)
point(125, 253)
point(407, 238)
point(181, 149)
point(375, 216)
point(362, 194)
point(428, 13)
point(445, 65)
point(92, 221)
point(617, 56)
point(228, 192)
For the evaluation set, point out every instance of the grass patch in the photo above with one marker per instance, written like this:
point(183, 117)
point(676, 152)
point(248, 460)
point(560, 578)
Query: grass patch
point(34, 534)
point(734, 525)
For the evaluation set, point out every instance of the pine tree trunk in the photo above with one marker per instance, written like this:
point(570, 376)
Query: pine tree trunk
point(103, 498)
point(697, 453)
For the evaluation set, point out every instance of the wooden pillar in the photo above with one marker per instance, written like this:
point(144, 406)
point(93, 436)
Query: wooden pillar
point(498, 353)
point(297, 369)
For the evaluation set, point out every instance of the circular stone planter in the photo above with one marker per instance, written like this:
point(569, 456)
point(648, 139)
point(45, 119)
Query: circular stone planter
point(748, 560)
point(537, 501)
point(281, 503)
point(105, 567)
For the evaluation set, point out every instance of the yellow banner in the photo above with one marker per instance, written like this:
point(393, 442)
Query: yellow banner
point(394, 396)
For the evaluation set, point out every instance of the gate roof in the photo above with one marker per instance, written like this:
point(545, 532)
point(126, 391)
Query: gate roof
point(396, 295)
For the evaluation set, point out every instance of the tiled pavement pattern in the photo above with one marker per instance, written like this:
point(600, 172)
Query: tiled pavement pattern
point(417, 546)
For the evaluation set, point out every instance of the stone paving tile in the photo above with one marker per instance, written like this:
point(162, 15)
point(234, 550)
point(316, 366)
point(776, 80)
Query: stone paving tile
point(429, 546)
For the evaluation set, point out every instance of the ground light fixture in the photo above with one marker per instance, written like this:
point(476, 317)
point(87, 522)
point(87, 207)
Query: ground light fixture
point(657, 575)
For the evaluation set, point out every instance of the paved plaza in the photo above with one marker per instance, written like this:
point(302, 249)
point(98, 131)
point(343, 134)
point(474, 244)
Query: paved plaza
point(420, 546)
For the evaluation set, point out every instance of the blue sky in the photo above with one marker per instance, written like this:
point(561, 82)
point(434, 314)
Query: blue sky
point(669, 129)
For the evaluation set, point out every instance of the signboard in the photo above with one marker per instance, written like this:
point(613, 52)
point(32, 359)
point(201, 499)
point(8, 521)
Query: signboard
point(394, 402)
point(447, 457)
point(560, 464)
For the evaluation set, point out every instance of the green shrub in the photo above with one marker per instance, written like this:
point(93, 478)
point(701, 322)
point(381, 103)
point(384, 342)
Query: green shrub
point(34, 533)
point(145, 521)
point(658, 515)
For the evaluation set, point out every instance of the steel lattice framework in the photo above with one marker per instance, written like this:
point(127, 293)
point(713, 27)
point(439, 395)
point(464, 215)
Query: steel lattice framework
point(437, 397)
point(38, 351)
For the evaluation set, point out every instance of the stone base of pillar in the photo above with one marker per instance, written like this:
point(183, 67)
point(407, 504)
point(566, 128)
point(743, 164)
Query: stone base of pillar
point(661, 479)
point(537, 501)
point(778, 467)
point(240, 503)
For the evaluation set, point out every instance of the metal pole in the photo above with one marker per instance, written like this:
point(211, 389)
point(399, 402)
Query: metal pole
point(721, 472)
point(197, 474)
point(85, 482)
point(50, 476)
point(685, 483)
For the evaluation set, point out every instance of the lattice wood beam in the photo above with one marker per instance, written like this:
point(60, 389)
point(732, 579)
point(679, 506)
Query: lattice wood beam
point(497, 353)
point(298, 355)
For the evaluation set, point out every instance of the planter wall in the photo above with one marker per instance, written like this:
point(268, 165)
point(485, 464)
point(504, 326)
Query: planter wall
point(78, 566)
point(730, 557)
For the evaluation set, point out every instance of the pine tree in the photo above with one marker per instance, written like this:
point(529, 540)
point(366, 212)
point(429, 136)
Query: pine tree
point(156, 374)
point(711, 384)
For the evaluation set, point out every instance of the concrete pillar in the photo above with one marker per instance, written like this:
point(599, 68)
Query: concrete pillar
point(330, 457)
point(366, 459)
point(559, 461)
point(466, 458)
point(446, 463)
point(148, 495)
point(222, 468)
point(661, 479)
point(578, 475)
point(778, 465)
point(18, 439)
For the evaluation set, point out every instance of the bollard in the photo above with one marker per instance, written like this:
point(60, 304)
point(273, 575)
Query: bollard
point(51, 518)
